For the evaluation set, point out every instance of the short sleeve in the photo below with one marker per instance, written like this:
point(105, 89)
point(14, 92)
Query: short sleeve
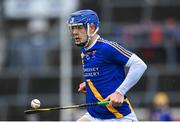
point(116, 53)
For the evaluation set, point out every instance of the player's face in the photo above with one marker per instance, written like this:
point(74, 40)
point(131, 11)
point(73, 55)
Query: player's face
point(79, 34)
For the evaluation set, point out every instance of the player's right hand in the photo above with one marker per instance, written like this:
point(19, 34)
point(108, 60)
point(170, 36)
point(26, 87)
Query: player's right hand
point(82, 87)
point(116, 99)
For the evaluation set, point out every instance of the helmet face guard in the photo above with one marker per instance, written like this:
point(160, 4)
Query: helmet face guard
point(85, 18)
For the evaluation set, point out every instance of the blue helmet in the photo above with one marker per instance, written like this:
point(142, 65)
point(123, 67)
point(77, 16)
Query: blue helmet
point(84, 17)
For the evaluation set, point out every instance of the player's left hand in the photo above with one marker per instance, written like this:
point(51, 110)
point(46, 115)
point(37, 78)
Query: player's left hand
point(82, 87)
point(116, 99)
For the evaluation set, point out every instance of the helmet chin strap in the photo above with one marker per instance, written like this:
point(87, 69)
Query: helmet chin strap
point(90, 35)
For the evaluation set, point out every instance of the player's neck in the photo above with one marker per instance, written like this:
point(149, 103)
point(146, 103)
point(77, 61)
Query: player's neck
point(92, 41)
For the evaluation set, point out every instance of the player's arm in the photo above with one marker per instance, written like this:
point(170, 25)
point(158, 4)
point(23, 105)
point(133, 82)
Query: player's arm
point(121, 56)
point(136, 69)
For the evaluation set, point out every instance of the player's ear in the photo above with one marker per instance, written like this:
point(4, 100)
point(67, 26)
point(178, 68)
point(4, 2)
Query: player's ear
point(92, 28)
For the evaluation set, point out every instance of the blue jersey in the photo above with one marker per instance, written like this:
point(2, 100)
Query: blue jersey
point(103, 68)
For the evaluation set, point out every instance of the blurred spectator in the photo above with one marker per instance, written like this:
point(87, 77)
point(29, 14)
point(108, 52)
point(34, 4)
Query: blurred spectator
point(37, 56)
point(177, 34)
point(128, 35)
point(156, 35)
point(170, 27)
point(172, 30)
point(29, 46)
point(161, 110)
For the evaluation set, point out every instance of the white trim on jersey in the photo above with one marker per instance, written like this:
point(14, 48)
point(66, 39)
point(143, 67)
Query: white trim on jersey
point(136, 70)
